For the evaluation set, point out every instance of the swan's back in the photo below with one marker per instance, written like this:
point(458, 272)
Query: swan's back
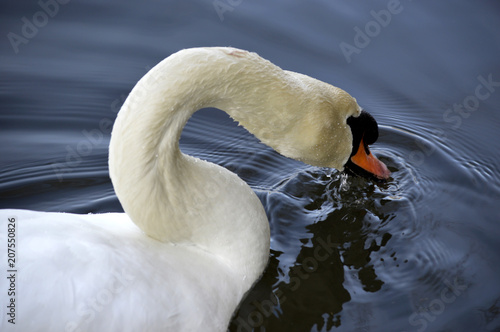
point(109, 276)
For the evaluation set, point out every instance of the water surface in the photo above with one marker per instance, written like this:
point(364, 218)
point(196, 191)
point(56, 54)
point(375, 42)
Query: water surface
point(418, 253)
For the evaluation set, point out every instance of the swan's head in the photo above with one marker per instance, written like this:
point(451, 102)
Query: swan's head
point(362, 162)
point(328, 128)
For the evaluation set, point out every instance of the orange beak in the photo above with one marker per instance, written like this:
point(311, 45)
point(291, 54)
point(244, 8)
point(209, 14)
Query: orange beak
point(368, 162)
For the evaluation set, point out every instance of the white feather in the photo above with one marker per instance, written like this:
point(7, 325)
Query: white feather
point(194, 237)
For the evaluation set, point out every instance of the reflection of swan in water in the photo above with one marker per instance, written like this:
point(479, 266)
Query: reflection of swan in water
point(313, 264)
point(208, 234)
point(347, 239)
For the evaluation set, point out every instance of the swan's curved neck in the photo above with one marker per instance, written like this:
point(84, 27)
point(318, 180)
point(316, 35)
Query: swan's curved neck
point(174, 197)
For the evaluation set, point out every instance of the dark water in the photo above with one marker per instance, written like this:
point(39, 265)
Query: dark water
point(418, 253)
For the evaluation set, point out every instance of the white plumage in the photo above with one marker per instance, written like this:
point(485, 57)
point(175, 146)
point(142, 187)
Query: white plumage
point(194, 237)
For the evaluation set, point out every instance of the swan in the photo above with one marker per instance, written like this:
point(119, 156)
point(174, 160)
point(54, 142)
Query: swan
point(194, 237)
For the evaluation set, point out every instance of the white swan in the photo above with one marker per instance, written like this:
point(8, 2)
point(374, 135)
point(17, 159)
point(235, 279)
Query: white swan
point(194, 237)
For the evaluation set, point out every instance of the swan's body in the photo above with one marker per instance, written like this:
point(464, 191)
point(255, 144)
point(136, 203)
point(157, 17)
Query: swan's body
point(194, 237)
point(101, 273)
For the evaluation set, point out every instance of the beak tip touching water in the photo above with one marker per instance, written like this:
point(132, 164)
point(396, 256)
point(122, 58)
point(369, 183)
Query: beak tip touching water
point(362, 162)
point(365, 163)
point(382, 171)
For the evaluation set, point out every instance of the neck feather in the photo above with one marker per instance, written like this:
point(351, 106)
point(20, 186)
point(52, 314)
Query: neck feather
point(176, 198)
